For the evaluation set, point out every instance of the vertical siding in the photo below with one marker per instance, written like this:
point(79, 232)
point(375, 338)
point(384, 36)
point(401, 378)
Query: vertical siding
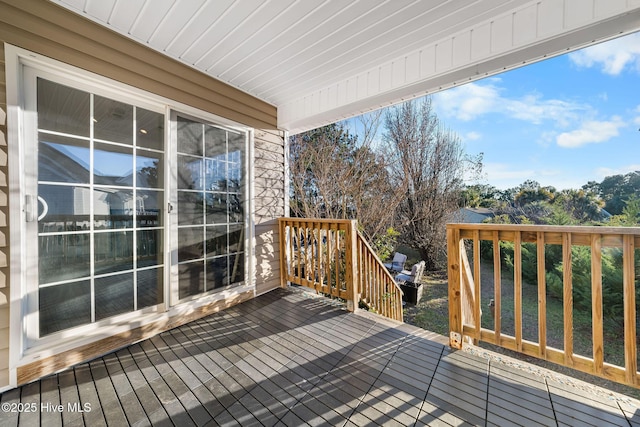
point(269, 205)
point(4, 232)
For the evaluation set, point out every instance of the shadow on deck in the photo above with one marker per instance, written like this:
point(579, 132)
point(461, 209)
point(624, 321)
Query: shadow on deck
point(286, 358)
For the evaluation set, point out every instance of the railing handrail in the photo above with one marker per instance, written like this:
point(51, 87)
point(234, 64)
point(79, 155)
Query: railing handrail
point(377, 258)
point(319, 220)
point(465, 290)
point(382, 294)
point(577, 229)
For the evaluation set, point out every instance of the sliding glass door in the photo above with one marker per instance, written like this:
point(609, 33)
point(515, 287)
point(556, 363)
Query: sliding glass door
point(120, 216)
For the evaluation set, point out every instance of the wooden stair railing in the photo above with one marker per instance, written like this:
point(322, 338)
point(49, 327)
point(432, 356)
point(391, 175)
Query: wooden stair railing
point(332, 257)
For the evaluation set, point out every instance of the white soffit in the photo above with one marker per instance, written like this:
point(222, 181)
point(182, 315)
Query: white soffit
point(319, 61)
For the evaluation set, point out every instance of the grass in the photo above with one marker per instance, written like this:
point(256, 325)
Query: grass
point(432, 313)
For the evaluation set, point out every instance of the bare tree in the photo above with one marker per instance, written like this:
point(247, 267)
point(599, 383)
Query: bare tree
point(336, 174)
point(431, 162)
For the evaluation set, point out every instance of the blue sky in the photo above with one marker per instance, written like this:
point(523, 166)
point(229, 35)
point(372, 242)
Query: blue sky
point(562, 122)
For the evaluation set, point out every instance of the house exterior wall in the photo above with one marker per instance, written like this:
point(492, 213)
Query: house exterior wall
point(4, 232)
point(47, 29)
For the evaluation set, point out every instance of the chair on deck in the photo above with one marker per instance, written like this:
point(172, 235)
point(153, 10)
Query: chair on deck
point(409, 282)
point(413, 276)
point(397, 264)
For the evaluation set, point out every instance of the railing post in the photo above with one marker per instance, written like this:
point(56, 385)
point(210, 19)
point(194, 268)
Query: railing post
point(455, 301)
point(284, 255)
point(351, 252)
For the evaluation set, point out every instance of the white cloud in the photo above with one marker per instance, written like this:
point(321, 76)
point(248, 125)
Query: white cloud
point(468, 101)
point(504, 172)
point(472, 100)
point(591, 132)
point(622, 170)
point(471, 136)
point(612, 57)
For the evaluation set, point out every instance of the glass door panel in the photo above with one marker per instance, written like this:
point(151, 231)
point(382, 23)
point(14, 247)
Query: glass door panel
point(210, 198)
point(99, 221)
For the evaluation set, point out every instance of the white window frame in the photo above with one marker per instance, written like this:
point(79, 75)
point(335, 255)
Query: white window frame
point(22, 351)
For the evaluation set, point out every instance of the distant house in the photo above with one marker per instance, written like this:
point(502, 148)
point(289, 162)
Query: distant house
point(472, 215)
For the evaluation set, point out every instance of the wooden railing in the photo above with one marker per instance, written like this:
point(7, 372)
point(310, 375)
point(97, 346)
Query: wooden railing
point(379, 290)
point(465, 289)
point(332, 257)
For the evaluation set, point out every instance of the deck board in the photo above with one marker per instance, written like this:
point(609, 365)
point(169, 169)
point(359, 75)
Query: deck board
point(289, 359)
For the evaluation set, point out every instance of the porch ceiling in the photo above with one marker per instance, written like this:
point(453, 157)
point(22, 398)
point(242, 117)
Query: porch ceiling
point(322, 61)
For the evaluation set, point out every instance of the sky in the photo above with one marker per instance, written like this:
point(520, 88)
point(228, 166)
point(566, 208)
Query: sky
point(563, 121)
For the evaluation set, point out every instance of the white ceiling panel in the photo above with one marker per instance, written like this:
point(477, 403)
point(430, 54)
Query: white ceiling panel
point(319, 61)
point(100, 9)
point(122, 21)
point(178, 20)
point(149, 18)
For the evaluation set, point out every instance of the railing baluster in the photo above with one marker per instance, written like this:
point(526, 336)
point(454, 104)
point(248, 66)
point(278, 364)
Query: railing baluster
point(628, 274)
point(477, 310)
point(300, 237)
point(497, 286)
point(567, 299)
point(542, 295)
point(282, 227)
point(596, 303)
point(517, 287)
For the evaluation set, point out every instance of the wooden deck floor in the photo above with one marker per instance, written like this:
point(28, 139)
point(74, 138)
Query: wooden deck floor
point(289, 359)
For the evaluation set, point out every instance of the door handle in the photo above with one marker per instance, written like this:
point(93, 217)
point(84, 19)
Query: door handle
point(30, 207)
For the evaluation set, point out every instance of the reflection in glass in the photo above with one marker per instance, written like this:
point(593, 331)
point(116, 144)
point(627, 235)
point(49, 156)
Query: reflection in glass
point(191, 243)
point(215, 142)
point(190, 279)
point(149, 169)
point(189, 137)
point(236, 267)
point(62, 159)
point(113, 165)
point(113, 251)
point(150, 129)
point(63, 257)
point(149, 247)
point(216, 208)
point(236, 208)
point(234, 177)
point(113, 208)
point(236, 145)
point(112, 120)
point(63, 208)
point(149, 208)
point(149, 287)
point(63, 109)
point(190, 173)
point(190, 208)
point(236, 238)
point(216, 241)
point(217, 272)
point(114, 295)
point(215, 175)
point(64, 306)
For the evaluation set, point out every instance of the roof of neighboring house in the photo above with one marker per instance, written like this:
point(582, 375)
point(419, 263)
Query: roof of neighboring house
point(473, 215)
